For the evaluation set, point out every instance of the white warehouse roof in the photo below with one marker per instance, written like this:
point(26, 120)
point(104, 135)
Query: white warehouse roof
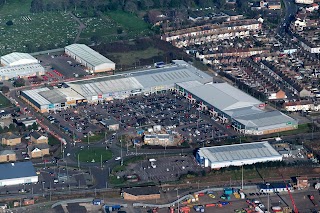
point(222, 95)
point(89, 55)
point(34, 95)
point(238, 154)
point(20, 70)
point(17, 58)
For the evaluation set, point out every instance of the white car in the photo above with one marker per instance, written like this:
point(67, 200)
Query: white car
point(118, 158)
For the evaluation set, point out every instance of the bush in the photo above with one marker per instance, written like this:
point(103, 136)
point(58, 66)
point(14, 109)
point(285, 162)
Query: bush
point(9, 23)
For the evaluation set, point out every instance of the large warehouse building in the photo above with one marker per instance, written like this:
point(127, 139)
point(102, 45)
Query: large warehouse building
point(44, 99)
point(16, 58)
point(92, 60)
point(16, 65)
point(17, 173)
point(246, 114)
point(18, 71)
point(237, 155)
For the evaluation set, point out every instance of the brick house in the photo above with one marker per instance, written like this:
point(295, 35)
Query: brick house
point(38, 138)
point(10, 139)
point(7, 156)
point(38, 150)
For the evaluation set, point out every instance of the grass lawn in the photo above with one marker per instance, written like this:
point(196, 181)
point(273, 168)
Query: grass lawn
point(302, 128)
point(15, 7)
point(95, 138)
point(87, 155)
point(130, 22)
point(40, 31)
point(4, 102)
point(53, 140)
point(129, 58)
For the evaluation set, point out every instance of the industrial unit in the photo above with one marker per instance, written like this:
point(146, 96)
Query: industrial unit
point(17, 173)
point(246, 114)
point(16, 58)
point(237, 155)
point(92, 60)
point(44, 99)
point(16, 65)
point(18, 71)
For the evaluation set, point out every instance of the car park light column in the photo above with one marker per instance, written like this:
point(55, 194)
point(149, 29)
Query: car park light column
point(268, 184)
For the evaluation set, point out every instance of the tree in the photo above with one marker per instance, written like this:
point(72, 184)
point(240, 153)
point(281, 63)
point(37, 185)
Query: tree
point(119, 30)
point(9, 23)
point(5, 89)
point(37, 6)
point(12, 127)
point(131, 7)
point(19, 82)
point(34, 126)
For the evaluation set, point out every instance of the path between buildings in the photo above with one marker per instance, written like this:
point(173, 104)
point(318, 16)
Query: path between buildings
point(80, 28)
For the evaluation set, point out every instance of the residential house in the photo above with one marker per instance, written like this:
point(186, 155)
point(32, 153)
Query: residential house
point(273, 4)
point(38, 138)
point(7, 156)
point(298, 106)
point(277, 95)
point(10, 139)
point(38, 150)
point(312, 7)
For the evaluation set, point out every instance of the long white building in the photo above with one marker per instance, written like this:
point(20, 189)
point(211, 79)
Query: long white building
point(16, 58)
point(237, 155)
point(92, 60)
point(17, 173)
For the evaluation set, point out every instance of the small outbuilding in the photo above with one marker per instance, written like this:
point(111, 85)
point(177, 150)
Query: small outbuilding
point(141, 193)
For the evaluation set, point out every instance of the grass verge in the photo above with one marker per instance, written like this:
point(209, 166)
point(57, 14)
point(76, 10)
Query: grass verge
point(88, 155)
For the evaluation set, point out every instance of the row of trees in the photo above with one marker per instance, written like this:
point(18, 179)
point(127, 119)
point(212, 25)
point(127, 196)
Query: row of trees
point(106, 5)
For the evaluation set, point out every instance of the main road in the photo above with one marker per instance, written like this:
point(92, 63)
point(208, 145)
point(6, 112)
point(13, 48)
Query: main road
point(290, 11)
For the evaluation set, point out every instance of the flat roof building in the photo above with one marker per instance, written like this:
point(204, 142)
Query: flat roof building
point(23, 70)
point(231, 105)
point(92, 60)
point(16, 58)
point(17, 173)
point(237, 155)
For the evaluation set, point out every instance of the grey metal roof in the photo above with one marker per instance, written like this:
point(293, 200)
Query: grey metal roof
point(20, 70)
point(266, 119)
point(238, 152)
point(87, 54)
point(17, 170)
point(16, 57)
point(7, 152)
point(34, 94)
point(166, 76)
point(108, 86)
point(222, 96)
point(54, 96)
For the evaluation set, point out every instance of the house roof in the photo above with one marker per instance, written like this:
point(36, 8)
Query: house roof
point(8, 135)
point(7, 152)
point(38, 147)
point(149, 190)
point(17, 170)
point(36, 135)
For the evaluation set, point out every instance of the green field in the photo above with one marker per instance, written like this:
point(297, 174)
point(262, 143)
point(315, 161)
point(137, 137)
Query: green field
point(4, 102)
point(129, 58)
point(33, 32)
point(87, 155)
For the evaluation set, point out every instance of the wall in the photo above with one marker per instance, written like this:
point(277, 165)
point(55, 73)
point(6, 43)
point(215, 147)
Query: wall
point(17, 181)
point(4, 158)
point(127, 196)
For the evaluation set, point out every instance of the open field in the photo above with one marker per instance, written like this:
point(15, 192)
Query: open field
point(88, 155)
point(33, 32)
point(4, 102)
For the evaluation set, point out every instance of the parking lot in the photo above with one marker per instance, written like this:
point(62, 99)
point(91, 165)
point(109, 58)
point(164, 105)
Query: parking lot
point(162, 169)
point(57, 178)
point(67, 66)
point(167, 109)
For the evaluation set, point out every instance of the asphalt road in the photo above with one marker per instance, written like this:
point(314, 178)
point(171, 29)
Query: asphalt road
point(290, 10)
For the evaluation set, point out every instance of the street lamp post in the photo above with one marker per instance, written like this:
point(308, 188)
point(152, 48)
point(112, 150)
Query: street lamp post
point(268, 184)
